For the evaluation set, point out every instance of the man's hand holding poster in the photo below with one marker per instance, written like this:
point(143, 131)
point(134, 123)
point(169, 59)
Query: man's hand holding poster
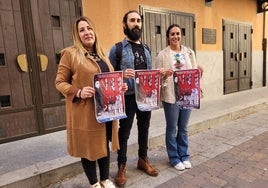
point(147, 89)
point(109, 97)
point(187, 88)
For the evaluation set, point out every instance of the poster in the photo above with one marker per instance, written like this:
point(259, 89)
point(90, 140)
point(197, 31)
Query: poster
point(109, 97)
point(147, 89)
point(187, 88)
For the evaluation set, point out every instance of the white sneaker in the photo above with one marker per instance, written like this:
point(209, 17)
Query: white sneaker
point(107, 184)
point(179, 166)
point(187, 164)
point(96, 185)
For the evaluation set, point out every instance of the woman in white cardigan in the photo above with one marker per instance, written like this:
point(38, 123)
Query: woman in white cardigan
point(174, 57)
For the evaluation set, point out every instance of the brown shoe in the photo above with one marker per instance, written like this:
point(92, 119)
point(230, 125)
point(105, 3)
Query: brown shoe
point(120, 178)
point(143, 164)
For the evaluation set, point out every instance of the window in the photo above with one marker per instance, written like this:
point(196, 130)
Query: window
point(5, 101)
point(55, 21)
point(2, 59)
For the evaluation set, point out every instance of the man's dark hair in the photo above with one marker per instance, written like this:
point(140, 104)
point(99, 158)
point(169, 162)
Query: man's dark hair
point(126, 15)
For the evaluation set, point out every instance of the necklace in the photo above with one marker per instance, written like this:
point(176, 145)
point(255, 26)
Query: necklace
point(94, 55)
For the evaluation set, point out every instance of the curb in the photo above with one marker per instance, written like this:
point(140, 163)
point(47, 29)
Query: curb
point(53, 171)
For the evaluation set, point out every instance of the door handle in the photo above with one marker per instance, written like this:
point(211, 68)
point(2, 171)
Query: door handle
point(43, 62)
point(237, 56)
point(22, 62)
point(241, 56)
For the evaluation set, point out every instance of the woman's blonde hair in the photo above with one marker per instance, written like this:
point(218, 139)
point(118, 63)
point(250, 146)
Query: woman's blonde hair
point(78, 50)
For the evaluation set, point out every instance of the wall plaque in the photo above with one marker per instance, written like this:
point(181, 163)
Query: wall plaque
point(208, 36)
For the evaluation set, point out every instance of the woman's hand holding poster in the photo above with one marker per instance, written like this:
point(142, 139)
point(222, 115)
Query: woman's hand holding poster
point(187, 88)
point(109, 97)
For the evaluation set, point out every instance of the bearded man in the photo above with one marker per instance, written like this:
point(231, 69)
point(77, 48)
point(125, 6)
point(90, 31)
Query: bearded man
point(135, 56)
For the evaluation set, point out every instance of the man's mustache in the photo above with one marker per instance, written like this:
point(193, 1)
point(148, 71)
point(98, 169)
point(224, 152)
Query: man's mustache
point(136, 28)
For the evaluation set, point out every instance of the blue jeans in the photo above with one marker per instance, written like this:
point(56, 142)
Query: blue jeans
point(176, 132)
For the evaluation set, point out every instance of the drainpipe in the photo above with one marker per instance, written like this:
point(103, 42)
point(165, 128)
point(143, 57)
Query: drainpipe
point(264, 47)
point(264, 44)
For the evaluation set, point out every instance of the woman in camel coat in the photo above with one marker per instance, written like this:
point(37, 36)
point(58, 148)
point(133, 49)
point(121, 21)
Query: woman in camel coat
point(86, 138)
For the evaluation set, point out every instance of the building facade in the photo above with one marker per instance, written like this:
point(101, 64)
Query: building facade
point(228, 37)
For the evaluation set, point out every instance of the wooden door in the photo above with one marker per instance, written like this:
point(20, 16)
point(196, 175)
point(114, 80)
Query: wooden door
point(50, 39)
point(237, 56)
point(187, 23)
point(156, 23)
point(31, 37)
point(245, 50)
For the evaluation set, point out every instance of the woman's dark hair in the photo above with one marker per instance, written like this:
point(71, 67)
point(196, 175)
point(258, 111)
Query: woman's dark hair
point(170, 27)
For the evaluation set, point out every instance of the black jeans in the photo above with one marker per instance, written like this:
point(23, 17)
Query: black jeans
point(143, 123)
point(103, 163)
point(91, 171)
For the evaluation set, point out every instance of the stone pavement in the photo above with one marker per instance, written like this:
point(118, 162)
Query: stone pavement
point(231, 155)
point(245, 166)
point(220, 125)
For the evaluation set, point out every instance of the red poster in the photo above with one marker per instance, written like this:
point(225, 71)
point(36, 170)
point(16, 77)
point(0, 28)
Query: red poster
point(187, 88)
point(147, 89)
point(109, 97)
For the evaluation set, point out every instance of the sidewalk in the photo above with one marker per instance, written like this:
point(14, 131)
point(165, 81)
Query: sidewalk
point(231, 155)
point(245, 166)
point(43, 160)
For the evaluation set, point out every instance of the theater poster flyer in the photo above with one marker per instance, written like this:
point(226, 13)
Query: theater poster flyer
point(147, 89)
point(187, 88)
point(109, 97)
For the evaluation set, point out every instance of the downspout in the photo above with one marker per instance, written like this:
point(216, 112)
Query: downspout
point(264, 45)
point(264, 65)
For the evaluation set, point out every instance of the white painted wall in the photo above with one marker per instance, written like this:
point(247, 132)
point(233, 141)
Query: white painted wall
point(257, 69)
point(212, 80)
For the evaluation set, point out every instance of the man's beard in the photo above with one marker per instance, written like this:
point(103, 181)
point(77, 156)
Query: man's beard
point(134, 34)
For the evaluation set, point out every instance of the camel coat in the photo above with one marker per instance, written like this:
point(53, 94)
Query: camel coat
point(86, 138)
